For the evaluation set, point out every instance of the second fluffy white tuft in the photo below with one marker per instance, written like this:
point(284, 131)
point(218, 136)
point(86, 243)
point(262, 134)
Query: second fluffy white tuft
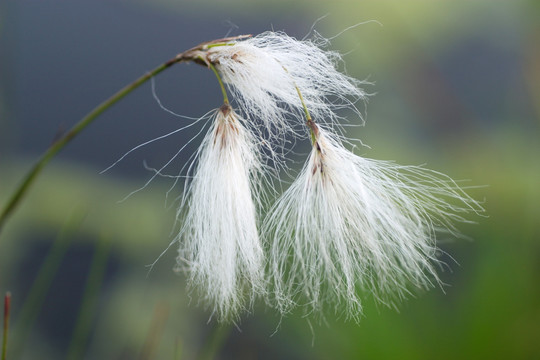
point(349, 225)
point(219, 242)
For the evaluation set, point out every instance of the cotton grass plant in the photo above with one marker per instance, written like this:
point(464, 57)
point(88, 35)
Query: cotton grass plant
point(348, 227)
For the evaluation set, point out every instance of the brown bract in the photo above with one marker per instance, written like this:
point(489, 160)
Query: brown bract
point(197, 54)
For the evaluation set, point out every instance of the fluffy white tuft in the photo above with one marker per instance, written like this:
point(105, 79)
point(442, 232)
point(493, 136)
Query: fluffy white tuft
point(219, 242)
point(264, 71)
point(349, 225)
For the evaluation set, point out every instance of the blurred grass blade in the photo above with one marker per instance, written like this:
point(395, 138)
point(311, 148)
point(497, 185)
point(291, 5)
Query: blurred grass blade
point(7, 306)
point(161, 314)
point(215, 341)
point(178, 349)
point(73, 132)
point(33, 303)
point(83, 324)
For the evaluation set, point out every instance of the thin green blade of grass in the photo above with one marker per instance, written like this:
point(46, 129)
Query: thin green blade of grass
point(155, 333)
point(215, 341)
point(7, 306)
point(83, 324)
point(178, 349)
point(45, 276)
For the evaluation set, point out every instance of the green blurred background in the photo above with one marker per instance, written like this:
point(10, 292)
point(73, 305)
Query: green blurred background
point(457, 87)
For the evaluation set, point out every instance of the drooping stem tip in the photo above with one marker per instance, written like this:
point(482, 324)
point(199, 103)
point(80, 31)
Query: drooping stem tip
point(194, 55)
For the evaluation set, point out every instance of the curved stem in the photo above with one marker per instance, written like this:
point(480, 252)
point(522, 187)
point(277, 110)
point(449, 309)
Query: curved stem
point(223, 91)
point(306, 111)
point(194, 54)
point(313, 128)
point(74, 131)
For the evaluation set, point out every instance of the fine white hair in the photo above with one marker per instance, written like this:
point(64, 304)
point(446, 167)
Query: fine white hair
point(264, 72)
point(350, 225)
point(220, 247)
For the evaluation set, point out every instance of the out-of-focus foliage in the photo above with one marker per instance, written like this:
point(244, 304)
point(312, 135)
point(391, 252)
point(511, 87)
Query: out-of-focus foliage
point(458, 88)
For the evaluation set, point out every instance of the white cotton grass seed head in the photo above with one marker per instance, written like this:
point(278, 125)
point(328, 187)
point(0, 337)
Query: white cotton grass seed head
point(220, 249)
point(349, 226)
point(264, 72)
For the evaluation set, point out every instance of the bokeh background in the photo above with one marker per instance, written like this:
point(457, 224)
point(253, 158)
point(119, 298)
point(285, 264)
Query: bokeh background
point(457, 87)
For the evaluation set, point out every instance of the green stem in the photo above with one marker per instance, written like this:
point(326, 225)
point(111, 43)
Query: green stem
point(313, 128)
point(223, 91)
point(74, 131)
point(194, 54)
point(306, 111)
